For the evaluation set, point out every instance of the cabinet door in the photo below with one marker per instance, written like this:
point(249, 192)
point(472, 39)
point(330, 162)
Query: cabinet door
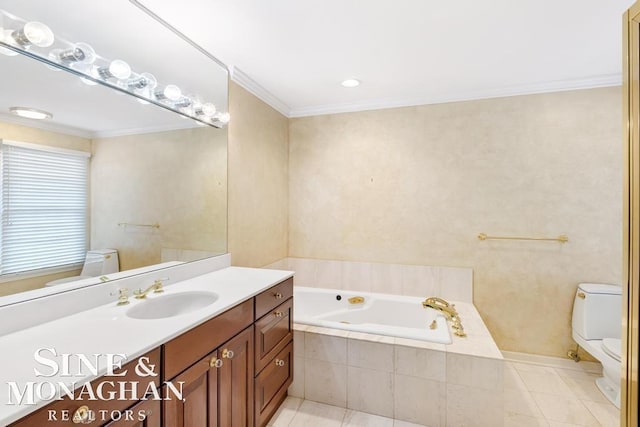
point(144, 414)
point(235, 381)
point(199, 404)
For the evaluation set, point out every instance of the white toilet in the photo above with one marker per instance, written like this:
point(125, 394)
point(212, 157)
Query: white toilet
point(97, 263)
point(597, 325)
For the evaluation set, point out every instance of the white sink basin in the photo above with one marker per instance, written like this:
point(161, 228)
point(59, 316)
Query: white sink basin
point(163, 306)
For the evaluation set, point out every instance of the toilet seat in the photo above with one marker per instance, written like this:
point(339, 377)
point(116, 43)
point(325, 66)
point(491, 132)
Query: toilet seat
point(612, 347)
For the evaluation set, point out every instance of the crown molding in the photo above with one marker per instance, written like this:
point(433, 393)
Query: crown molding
point(45, 125)
point(242, 79)
point(499, 92)
point(143, 130)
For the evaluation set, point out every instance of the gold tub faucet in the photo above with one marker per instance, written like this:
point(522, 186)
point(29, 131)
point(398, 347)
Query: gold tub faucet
point(449, 312)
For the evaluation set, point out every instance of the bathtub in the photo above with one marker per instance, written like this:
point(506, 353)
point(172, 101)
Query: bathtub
point(382, 314)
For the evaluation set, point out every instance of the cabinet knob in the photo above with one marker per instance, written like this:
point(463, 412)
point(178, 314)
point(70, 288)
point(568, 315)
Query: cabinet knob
point(279, 362)
point(227, 354)
point(278, 295)
point(215, 362)
point(278, 313)
point(82, 415)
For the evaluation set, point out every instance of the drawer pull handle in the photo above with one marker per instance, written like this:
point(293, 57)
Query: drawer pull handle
point(278, 313)
point(227, 354)
point(215, 363)
point(278, 295)
point(82, 415)
point(279, 362)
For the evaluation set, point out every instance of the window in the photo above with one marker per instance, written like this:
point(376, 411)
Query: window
point(43, 207)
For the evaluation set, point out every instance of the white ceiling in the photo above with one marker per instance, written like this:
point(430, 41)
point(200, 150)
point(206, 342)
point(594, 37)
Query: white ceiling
point(294, 54)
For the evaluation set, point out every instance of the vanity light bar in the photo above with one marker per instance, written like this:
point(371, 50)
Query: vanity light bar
point(79, 58)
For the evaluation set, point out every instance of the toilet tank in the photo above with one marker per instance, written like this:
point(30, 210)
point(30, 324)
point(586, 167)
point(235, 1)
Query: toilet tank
point(100, 261)
point(597, 311)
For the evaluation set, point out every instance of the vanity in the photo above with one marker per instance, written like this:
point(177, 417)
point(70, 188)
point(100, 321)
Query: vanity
point(228, 363)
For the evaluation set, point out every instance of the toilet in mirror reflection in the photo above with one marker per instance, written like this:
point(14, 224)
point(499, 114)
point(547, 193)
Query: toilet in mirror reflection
point(97, 263)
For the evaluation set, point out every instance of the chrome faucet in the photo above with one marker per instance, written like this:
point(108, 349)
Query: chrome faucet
point(449, 312)
point(156, 288)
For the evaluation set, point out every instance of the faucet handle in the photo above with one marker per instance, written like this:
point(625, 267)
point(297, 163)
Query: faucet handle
point(123, 296)
point(158, 284)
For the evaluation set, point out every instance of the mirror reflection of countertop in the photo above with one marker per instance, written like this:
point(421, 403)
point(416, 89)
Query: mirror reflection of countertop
point(107, 329)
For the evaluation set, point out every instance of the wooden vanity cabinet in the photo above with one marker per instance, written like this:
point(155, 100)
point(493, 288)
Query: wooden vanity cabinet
point(274, 349)
point(218, 380)
point(235, 370)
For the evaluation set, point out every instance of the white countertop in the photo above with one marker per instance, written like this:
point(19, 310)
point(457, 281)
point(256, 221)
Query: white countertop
point(107, 330)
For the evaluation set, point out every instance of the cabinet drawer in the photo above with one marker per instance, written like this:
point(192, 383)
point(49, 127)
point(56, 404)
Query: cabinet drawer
point(274, 296)
point(60, 412)
point(273, 331)
point(185, 350)
point(272, 383)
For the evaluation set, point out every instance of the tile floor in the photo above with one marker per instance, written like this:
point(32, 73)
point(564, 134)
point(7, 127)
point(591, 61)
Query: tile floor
point(535, 395)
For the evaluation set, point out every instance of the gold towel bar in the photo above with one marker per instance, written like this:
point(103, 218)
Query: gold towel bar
point(563, 238)
point(126, 224)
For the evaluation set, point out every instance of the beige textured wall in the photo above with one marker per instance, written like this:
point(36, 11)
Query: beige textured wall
point(38, 136)
point(416, 185)
point(176, 178)
point(258, 180)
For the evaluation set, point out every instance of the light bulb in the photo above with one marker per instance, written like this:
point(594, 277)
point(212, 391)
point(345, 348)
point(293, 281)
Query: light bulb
point(5, 36)
point(170, 92)
point(183, 102)
point(34, 33)
point(117, 69)
point(143, 81)
point(80, 53)
point(208, 109)
point(223, 117)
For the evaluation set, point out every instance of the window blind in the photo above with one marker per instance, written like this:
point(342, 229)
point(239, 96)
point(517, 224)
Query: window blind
point(43, 207)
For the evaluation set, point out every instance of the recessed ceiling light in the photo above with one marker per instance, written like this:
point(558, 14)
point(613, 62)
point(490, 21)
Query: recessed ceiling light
point(30, 113)
point(351, 83)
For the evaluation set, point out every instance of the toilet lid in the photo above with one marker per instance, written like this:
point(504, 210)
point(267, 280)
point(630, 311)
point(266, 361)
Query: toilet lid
point(613, 347)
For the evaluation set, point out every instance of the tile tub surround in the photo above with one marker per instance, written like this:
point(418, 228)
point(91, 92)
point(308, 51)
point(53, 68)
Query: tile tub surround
point(412, 381)
point(450, 283)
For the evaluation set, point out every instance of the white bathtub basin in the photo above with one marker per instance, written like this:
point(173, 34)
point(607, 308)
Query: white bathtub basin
point(383, 314)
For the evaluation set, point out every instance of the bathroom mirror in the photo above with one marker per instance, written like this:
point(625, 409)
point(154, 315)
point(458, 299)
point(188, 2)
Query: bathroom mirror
point(156, 181)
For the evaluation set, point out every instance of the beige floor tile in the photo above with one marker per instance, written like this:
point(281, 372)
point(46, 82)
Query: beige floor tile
point(517, 420)
point(398, 423)
point(606, 413)
point(531, 367)
point(360, 419)
point(565, 410)
point(512, 379)
point(546, 382)
point(585, 389)
point(312, 414)
point(286, 412)
point(522, 403)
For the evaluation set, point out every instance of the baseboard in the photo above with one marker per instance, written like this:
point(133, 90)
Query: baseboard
point(555, 362)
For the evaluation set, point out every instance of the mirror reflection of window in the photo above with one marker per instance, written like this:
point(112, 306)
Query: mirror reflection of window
point(43, 208)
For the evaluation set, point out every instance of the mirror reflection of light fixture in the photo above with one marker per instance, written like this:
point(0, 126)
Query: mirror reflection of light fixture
point(183, 102)
point(170, 92)
point(18, 35)
point(80, 53)
point(33, 33)
point(143, 81)
point(117, 69)
point(207, 109)
point(5, 36)
point(30, 113)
